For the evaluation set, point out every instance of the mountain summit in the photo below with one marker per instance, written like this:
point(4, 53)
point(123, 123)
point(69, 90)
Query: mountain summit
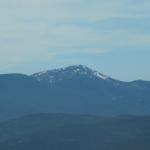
point(76, 71)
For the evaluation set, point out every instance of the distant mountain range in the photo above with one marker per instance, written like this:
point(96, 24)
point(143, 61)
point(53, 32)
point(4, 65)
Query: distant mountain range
point(73, 132)
point(75, 90)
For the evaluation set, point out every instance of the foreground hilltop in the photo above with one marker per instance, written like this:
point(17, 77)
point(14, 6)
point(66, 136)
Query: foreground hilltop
point(75, 132)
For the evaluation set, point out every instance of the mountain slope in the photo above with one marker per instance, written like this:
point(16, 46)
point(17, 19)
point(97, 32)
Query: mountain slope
point(65, 132)
point(75, 90)
point(57, 75)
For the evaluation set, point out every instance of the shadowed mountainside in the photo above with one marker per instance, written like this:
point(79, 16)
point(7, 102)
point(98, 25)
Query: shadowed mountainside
point(65, 132)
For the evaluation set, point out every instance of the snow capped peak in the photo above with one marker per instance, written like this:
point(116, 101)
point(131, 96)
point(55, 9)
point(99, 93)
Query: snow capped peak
point(77, 68)
point(70, 72)
point(86, 70)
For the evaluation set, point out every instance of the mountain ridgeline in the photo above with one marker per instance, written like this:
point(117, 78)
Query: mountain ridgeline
point(73, 90)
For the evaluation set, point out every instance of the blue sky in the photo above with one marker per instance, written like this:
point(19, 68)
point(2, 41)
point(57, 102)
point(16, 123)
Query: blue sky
point(112, 36)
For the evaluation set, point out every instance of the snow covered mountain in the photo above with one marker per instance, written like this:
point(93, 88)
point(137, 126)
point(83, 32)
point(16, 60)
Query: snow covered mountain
point(56, 75)
point(75, 89)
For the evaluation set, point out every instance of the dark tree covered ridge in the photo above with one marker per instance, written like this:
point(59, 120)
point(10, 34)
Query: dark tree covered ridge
point(75, 132)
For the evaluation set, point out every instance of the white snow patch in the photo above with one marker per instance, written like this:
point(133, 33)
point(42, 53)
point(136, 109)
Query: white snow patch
point(99, 75)
point(40, 73)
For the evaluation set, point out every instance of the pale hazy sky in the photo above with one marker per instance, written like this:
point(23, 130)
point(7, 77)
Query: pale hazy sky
point(112, 36)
